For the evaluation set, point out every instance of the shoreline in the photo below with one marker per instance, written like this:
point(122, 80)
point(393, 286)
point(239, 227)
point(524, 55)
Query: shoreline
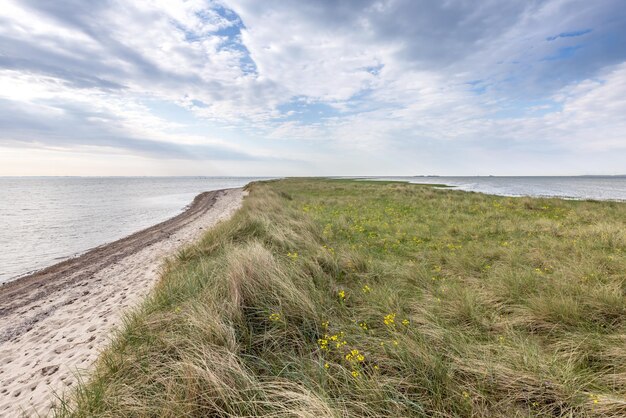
point(55, 321)
point(63, 259)
point(464, 188)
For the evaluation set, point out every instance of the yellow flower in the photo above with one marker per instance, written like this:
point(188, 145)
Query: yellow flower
point(177, 310)
point(342, 294)
point(274, 317)
point(323, 343)
point(375, 367)
point(366, 289)
point(355, 373)
point(405, 322)
point(326, 365)
point(395, 342)
point(293, 256)
point(325, 324)
point(465, 395)
point(363, 325)
point(390, 319)
point(341, 344)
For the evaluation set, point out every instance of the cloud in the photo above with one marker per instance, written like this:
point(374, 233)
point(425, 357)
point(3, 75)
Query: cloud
point(285, 81)
point(37, 111)
point(571, 34)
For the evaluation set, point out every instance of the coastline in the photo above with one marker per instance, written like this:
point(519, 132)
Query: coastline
point(54, 322)
point(328, 297)
point(501, 186)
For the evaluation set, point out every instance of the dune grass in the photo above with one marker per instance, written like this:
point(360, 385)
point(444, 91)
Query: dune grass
point(356, 298)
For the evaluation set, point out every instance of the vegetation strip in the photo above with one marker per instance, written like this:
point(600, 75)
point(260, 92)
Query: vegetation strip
point(352, 298)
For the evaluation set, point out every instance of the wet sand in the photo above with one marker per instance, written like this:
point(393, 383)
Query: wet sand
point(54, 322)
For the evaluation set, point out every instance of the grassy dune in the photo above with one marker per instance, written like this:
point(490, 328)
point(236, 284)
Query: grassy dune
point(344, 298)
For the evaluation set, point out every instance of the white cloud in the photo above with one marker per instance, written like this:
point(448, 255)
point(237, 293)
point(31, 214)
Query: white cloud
point(391, 79)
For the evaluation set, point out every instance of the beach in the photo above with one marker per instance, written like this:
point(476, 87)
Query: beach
point(55, 322)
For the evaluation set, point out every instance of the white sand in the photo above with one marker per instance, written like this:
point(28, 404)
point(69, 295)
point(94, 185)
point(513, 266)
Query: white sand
point(51, 353)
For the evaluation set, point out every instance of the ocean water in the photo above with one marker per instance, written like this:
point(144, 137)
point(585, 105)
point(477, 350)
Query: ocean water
point(583, 187)
point(44, 220)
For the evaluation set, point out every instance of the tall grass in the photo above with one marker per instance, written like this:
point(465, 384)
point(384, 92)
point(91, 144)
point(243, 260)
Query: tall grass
point(344, 298)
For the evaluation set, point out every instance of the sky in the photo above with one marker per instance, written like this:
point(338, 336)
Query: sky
point(326, 87)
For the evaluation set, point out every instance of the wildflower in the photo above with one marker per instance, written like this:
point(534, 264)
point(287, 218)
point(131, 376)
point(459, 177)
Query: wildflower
point(341, 294)
point(382, 343)
point(395, 342)
point(326, 365)
point(363, 325)
point(177, 310)
point(293, 256)
point(355, 373)
point(390, 319)
point(465, 395)
point(274, 317)
point(325, 324)
point(323, 343)
point(405, 322)
point(355, 356)
point(375, 366)
point(366, 289)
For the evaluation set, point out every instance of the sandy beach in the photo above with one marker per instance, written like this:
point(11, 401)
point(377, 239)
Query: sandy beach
point(54, 323)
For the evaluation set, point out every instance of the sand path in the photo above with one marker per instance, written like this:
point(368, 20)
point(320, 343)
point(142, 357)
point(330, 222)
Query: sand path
point(54, 323)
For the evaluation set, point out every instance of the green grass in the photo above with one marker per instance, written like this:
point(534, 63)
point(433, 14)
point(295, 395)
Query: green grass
point(459, 304)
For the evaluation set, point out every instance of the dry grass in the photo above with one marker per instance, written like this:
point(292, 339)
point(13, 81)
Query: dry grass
point(339, 298)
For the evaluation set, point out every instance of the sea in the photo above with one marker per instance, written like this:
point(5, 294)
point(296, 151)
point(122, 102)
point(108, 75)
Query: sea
point(579, 187)
point(44, 220)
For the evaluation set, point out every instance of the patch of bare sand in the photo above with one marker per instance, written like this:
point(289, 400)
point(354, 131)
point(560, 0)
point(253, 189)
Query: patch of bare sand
point(54, 323)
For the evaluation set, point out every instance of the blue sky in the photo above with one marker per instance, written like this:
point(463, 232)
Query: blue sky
point(285, 87)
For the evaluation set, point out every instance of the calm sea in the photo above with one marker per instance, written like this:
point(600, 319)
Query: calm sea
point(44, 220)
point(584, 187)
